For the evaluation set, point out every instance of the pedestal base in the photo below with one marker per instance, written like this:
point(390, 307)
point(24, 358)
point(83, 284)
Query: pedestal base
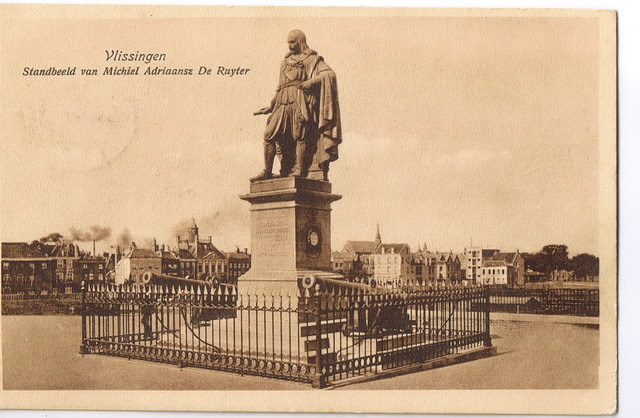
point(290, 234)
point(278, 282)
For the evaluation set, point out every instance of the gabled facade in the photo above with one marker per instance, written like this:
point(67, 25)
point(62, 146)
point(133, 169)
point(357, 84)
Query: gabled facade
point(515, 267)
point(444, 269)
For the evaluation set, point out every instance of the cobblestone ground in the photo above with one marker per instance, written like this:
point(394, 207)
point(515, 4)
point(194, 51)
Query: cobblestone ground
point(41, 353)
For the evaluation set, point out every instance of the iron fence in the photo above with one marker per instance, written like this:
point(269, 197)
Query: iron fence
point(577, 302)
point(318, 337)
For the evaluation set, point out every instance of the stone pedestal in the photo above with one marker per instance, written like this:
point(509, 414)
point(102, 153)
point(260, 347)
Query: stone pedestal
point(290, 234)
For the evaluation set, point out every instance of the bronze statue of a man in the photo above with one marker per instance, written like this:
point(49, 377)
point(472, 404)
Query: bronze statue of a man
point(303, 128)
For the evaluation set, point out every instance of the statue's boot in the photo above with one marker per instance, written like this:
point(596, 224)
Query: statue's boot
point(301, 148)
point(269, 155)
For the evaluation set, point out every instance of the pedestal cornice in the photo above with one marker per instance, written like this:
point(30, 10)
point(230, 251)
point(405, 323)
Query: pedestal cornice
point(291, 189)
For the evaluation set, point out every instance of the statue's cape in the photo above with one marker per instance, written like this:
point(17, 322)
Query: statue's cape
point(329, 125)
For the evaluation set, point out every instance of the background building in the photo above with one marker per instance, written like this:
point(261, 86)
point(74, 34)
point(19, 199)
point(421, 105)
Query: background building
point(362, 251)
point(44, 268)
point(494, 272)
point(89, 268)
point(471, 263)
point(392, 264)
point(239, 262)
point(342, 262)
point(444, 268)
point(65, 254)
point(515, 267)
point(135, 263)
point(26, 267)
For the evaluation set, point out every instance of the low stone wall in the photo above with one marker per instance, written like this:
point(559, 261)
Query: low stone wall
point(42, 305)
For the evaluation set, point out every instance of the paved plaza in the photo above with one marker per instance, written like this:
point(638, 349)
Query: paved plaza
point(41, 353)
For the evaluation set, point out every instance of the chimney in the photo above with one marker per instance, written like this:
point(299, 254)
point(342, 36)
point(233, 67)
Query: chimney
point(210, 239)
point(178, 239)
point(246, 250)
point(94, 247)
point(133, 245)
point(163, 247)
point(155, 244)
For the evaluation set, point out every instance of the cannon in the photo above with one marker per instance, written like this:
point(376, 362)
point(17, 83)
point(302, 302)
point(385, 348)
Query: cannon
point(150, 278)
point(333, 283)
point(225, 306)
point(364, 321)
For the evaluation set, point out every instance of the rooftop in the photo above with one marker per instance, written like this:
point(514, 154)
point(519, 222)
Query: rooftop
point(360, 247)
point(21, 250)
point(141, 253)
point(391, 248)
point(494, 263)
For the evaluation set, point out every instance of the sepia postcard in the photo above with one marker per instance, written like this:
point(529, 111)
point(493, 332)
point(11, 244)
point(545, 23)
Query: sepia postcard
point(371, 210)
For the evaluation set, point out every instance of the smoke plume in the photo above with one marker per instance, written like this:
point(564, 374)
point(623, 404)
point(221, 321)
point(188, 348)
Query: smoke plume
point(95, 233)
point(53, 237)
point(125, 239)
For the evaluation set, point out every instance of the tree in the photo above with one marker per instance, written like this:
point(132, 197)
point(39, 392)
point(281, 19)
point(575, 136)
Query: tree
point(552, 257)
point(586, 265)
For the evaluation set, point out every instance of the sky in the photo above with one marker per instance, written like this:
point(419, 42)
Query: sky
point(454, 129)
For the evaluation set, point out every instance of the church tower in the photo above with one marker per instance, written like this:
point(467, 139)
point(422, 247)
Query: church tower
point(194, 230)
point(378, 237)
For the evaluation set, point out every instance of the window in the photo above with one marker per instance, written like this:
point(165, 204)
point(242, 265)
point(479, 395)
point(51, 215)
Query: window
point(59, 276)
point(43, 266)
point(70, 263)
point(69, 276)
point(60, 264)
point(5, 265)
point(20, 278)
point(6, 278)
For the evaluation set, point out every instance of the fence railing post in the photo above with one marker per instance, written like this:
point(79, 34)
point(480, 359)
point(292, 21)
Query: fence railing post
point(319, 380)
point(487, 318)
point(83, 309)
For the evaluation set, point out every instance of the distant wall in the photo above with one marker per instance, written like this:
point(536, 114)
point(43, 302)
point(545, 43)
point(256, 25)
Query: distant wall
point(41, 305)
